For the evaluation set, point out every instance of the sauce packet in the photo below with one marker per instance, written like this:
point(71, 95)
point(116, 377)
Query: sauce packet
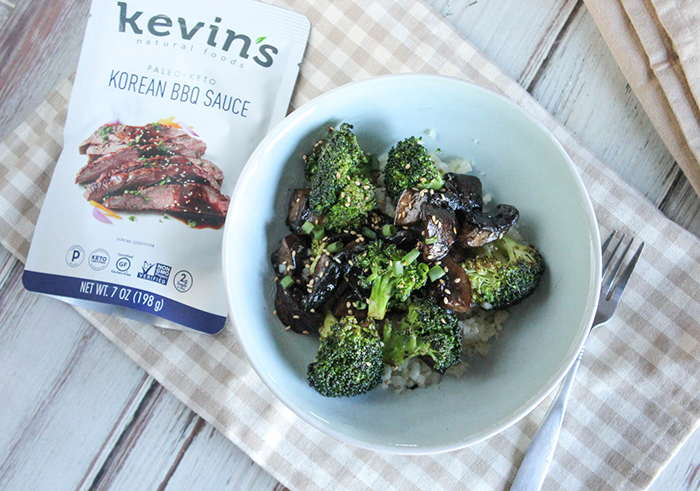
point(170, 99)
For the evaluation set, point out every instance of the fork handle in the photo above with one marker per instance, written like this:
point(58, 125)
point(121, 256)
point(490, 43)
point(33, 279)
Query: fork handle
point(535, 465)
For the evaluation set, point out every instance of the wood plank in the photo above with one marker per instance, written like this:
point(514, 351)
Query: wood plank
point(583, 87)
point(68, 386)
point(683, 472)
point(39, 48)
point(126, 418)
point(146, 450)
point(167, 446)
point(516, 36)
point(681, 204)
point(7, 264)
point(213, 462)
point(5, 12)
point(580, 72)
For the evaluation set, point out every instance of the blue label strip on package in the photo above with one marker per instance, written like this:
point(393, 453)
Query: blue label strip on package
point(133, 298)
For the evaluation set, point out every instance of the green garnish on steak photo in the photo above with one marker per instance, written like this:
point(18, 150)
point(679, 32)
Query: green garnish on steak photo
point(401, 267)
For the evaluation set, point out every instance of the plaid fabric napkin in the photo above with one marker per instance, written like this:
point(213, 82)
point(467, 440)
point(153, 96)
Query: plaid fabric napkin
point(636, 396)
point(657, 45)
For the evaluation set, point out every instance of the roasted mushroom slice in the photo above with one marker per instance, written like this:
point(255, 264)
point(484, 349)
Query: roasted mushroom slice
point(403, 237)
point(299, 210)
point(351, 272)
point(376, 220)
point(453, 291)
point(408, 208)
point(481, 228)
point(289, 308)
point(323, 282)
point(289, 258)
point(467, 190)
point(349, 302)
point(344, 258)
point(439, 230)
point(344, 237)
point(459, 253)
point(444, 199)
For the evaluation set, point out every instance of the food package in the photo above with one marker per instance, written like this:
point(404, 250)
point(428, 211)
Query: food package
point(170, 99)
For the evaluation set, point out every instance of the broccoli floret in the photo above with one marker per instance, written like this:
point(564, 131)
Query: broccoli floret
point(388, 282)
point(409, 166)
point(503, 272)
point(340, 189)
point(341, 146)
point(426, 330)
point(355, 202)
point(337, 170)
point(349, 359)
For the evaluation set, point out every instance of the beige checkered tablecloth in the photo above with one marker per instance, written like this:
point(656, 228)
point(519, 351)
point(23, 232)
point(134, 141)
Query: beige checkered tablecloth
point(636, 397)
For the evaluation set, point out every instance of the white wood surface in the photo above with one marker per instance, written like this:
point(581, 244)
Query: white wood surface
point(78, 414)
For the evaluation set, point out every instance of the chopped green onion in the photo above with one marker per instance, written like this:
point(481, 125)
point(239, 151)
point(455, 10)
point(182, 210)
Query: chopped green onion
point(359, 305)
point(388, 230)
point(335, 247)
point(436, 272)
point(398, 268)
point(369, 233)
point(307, 227)
point(286, 282)
point(431, 240)
point(411, 256)
point(312, 268)
point(319, 232)
point(423, 268)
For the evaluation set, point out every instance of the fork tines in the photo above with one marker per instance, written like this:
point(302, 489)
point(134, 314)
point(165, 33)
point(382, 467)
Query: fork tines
point(611, 287)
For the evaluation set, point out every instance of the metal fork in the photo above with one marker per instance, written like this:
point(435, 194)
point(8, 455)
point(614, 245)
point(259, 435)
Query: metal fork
point(535, 465)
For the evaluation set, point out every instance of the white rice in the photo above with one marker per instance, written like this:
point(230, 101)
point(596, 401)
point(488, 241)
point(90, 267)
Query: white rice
point(457, 165)
point(479, 326)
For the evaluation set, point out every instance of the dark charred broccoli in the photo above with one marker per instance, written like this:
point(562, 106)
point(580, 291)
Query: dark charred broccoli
point(391, 274)
point(503, 272)
point(340, 189)
point(349, 359)
point(410, 166)
point(427, 330)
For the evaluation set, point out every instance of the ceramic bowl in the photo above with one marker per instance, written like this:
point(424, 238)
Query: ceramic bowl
point(520, 163)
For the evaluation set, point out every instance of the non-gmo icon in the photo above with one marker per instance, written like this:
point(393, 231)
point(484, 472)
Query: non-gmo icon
point(123, 264)
point(99, 259)
point(75, 256)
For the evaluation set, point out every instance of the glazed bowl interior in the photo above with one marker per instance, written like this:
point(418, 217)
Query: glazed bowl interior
point(520, 163)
